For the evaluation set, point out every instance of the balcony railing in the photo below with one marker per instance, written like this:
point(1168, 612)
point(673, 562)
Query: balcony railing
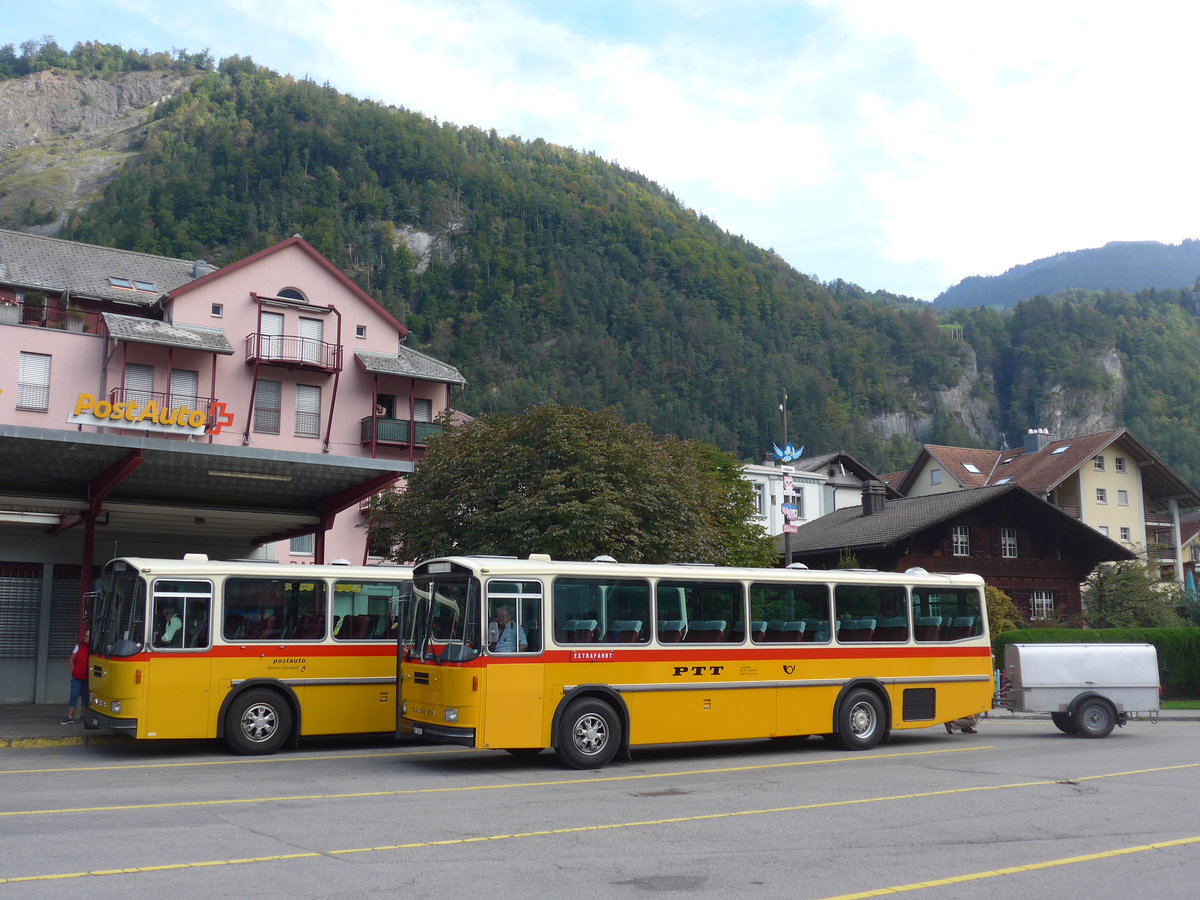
point(43, 316)
point(164, 400)
point(395, 432)
point(292, 352)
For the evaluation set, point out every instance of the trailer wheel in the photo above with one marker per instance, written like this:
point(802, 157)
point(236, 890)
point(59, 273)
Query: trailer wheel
point(1063, 723)
point(1094, 718)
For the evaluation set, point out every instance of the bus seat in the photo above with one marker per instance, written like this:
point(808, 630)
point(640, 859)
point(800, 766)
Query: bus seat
point(857, 630)
point(671, 631)
point(774, 631)
point(793, 631)
point(757, 630)
point(625, 631)
point(821, 634)
point(961, 627)
point(352, 627)
point(580, 631)
point(895, 629)
point(198, 635)
point(929, 628)
point(706, 631)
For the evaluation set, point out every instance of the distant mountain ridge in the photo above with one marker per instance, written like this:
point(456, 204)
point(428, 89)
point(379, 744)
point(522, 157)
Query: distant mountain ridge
point(546, 273)
point(1117, 266)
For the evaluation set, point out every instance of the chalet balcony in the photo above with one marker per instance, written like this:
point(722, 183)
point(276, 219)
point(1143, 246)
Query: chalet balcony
point(395, 432)
point(292, 352)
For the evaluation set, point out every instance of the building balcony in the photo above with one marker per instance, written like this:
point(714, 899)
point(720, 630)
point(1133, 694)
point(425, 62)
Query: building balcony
point(292, 352)
point(170, 406)
point(43, 316)
point(395, 432)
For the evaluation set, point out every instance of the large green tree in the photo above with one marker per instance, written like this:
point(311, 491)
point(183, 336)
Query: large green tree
point(1127, 595)
point(574, 484)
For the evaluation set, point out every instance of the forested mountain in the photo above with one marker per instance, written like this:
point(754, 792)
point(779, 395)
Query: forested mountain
point(1117, 266)
point(545, 273)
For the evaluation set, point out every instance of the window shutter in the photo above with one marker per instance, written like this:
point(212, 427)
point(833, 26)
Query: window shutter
point(308, 410)
point(33, 382)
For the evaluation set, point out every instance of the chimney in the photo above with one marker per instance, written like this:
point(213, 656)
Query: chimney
point(874, 496)
point(1038, 438)
point(200, 268)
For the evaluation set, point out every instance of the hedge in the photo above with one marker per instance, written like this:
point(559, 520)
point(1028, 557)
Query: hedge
point(1178, 650)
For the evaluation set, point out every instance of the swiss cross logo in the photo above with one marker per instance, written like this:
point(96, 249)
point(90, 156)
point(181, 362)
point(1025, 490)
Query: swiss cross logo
point(220, 417)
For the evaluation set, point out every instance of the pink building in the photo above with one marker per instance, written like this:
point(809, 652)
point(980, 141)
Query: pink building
point(157, 406)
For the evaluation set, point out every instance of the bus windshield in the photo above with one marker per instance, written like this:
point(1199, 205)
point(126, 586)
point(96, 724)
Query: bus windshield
point(446, 618)
point(119, 618)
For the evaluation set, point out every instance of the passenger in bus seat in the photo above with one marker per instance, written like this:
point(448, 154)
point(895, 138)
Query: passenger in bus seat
point(510, 638)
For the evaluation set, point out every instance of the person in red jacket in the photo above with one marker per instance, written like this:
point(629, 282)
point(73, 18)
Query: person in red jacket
point(79, 673)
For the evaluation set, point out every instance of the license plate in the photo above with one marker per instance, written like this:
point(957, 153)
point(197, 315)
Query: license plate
point(417, 729)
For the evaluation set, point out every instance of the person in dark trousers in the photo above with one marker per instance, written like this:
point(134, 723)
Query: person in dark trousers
point(79, 674)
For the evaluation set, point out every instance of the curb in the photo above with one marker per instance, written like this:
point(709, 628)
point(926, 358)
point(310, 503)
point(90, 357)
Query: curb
point(41, 743)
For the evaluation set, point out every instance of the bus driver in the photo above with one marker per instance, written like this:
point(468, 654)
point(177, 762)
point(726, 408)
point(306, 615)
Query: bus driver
point(511, 638)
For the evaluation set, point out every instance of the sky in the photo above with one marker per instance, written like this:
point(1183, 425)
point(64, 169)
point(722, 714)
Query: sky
point(898, 146)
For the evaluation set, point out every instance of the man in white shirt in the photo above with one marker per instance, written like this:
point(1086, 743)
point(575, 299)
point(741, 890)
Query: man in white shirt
point(511, 638)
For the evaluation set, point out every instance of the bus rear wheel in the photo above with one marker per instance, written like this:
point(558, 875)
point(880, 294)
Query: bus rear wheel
point(860, 721)
point(589, 734)
point(258, 722)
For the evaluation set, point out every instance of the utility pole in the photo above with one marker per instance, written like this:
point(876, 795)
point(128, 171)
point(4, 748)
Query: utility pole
point(787, 534)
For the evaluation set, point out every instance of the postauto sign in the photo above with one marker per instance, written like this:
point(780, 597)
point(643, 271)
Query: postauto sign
point(150, 415)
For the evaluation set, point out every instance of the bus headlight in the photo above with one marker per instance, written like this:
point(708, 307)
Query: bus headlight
point(116, 707)
point(450, 715)
point(404, 707)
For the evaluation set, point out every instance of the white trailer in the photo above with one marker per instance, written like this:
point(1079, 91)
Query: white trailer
point(1087, 688)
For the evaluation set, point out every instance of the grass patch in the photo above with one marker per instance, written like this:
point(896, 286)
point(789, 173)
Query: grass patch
point(1180, 704)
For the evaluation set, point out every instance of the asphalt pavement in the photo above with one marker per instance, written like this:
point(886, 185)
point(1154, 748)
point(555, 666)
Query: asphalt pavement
point(32, 725)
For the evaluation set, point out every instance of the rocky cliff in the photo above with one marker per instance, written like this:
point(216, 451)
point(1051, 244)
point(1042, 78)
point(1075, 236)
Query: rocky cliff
point(63, 136)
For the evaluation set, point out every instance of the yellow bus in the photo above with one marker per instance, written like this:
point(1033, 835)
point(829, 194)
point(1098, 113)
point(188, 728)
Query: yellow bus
point(259, 654)
point(592, 658)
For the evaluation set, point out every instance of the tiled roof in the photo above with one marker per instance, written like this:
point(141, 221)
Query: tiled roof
point(409, 364)
point(841, 459)
point(1044, 470)
point(901, 519)
point(897, 520)
point(152, 331)
point(969, 467)
point(55, 266)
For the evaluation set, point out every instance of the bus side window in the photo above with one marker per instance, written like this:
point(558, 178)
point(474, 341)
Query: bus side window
point(196, 622)
point(947, 614)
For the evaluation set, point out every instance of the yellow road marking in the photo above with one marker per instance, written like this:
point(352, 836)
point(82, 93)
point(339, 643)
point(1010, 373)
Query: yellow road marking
point(582, 829)
point(174, 804)
point(1013, 870)
point(258, 760)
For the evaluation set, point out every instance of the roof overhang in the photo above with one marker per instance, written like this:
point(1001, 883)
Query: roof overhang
point(139, 488)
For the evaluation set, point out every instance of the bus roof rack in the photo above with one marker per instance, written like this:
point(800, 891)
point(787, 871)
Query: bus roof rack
point(196, 557)
point(603, 557)
point(796, 566)
point(539, 557)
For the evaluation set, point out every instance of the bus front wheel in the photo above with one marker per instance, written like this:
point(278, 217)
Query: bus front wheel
point(258, 722)
point(860, 721)
point(589, 734)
